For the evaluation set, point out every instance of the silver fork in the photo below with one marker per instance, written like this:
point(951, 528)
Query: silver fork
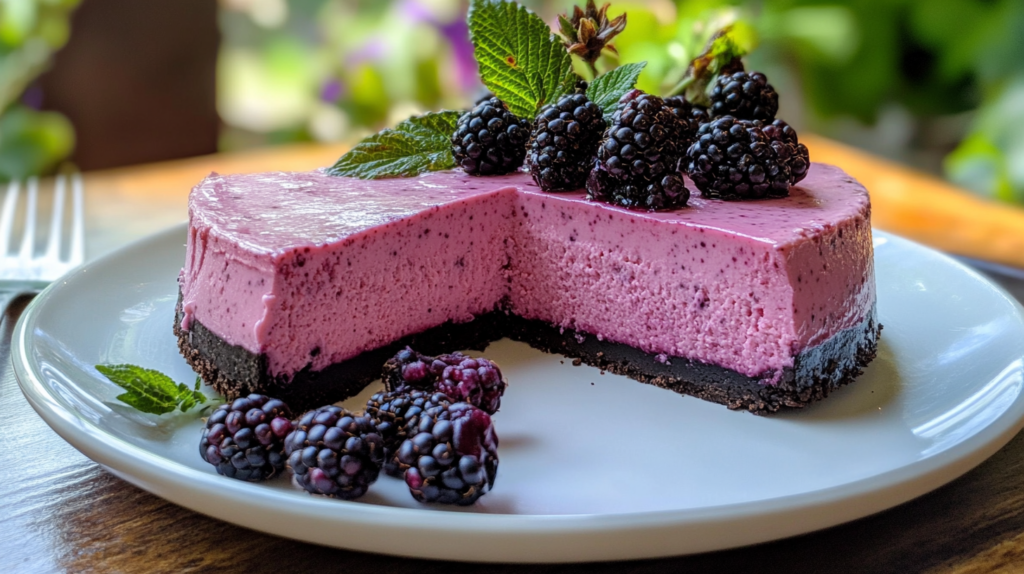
point(24, 272)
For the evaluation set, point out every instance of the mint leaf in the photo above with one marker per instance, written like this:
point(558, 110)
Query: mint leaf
point(151, 391)
point(520, 60)
point(189, 398)
point(607, 88)
point(417, 145)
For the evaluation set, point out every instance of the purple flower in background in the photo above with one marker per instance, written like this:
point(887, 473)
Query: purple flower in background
point(457, 34)
point(33, 97)
point(331, 91)
point(374, 49)
point(416, 12)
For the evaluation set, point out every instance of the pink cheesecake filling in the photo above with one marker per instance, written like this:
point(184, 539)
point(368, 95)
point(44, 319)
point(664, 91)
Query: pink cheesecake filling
point(311, 270)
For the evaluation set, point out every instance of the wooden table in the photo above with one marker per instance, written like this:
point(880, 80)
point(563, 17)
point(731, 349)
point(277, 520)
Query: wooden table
point(59, 511)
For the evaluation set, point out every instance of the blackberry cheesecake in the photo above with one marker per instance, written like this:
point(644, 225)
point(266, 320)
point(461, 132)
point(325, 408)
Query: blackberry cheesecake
point(301, 285)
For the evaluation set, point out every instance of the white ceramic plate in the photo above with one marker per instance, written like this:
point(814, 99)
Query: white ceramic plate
point(593, 466)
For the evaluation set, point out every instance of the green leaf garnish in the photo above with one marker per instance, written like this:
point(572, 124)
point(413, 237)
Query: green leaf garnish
point(151, 391)
point(520, 60)
point(606, 90)
point(416, 145)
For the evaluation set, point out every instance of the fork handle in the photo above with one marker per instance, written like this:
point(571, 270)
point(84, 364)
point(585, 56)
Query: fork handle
point(9, 293)
point(8, 297)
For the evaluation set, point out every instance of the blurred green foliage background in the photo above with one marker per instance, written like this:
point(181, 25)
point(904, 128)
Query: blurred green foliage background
point(937, 84)
point(31, 141)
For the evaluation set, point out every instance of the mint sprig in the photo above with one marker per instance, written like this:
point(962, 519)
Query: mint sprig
point(606, 90)
point(416, 145)
point(151, 391)
point(520, 60)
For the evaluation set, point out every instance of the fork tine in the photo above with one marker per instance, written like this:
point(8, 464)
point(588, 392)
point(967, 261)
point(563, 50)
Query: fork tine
point(28, 237)
point(78, 220)
point(7, 216)
point(56, 219)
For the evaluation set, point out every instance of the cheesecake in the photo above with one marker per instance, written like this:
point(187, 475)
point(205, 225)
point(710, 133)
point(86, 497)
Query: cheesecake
point(301, 285)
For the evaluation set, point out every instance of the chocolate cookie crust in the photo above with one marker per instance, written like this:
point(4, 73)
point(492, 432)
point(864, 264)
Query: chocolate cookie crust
point(234, 371)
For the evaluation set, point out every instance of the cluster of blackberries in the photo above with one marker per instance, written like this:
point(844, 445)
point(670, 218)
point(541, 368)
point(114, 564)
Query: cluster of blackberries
point(742, 151)
point(432, 426)
point(446, 451)
point(329, 451)
point(734, 149)
point(435, 417)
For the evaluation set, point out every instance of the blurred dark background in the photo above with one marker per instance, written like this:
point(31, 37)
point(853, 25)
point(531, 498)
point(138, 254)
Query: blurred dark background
point(137, 81)
point(936, 84)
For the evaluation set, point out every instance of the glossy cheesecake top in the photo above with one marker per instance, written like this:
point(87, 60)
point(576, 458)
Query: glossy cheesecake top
point(277, 211)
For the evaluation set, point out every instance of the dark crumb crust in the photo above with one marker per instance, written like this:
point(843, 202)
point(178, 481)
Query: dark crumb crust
point(234, 371)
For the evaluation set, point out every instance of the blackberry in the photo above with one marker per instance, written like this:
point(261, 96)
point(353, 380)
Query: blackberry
point(783, 139)
point(463, 378)
point(563, 143)
point(334, 452)
point(407, 370)
point(453, 456)
point(392, 411)
point(744, 95)
point(743, 159)
point(245, 439)
point(490, 140)
point(475, 381)
point(667, 193)
point(692, 117)
point(638, 159)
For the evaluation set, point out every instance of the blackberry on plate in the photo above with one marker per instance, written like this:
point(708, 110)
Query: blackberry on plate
point(490, 140)
point(392, 411)
point(245, 438)
point(638, 159)
point(744, 95)
point(564, 141)
point(430, 410)
point(409, 369)
point(475, 381)
point(453, 456)
point(334, 452)
point(744, 159)
point(691, 115)
point(463, 378)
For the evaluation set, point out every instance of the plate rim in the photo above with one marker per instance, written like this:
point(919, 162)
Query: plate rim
point(523, 538)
